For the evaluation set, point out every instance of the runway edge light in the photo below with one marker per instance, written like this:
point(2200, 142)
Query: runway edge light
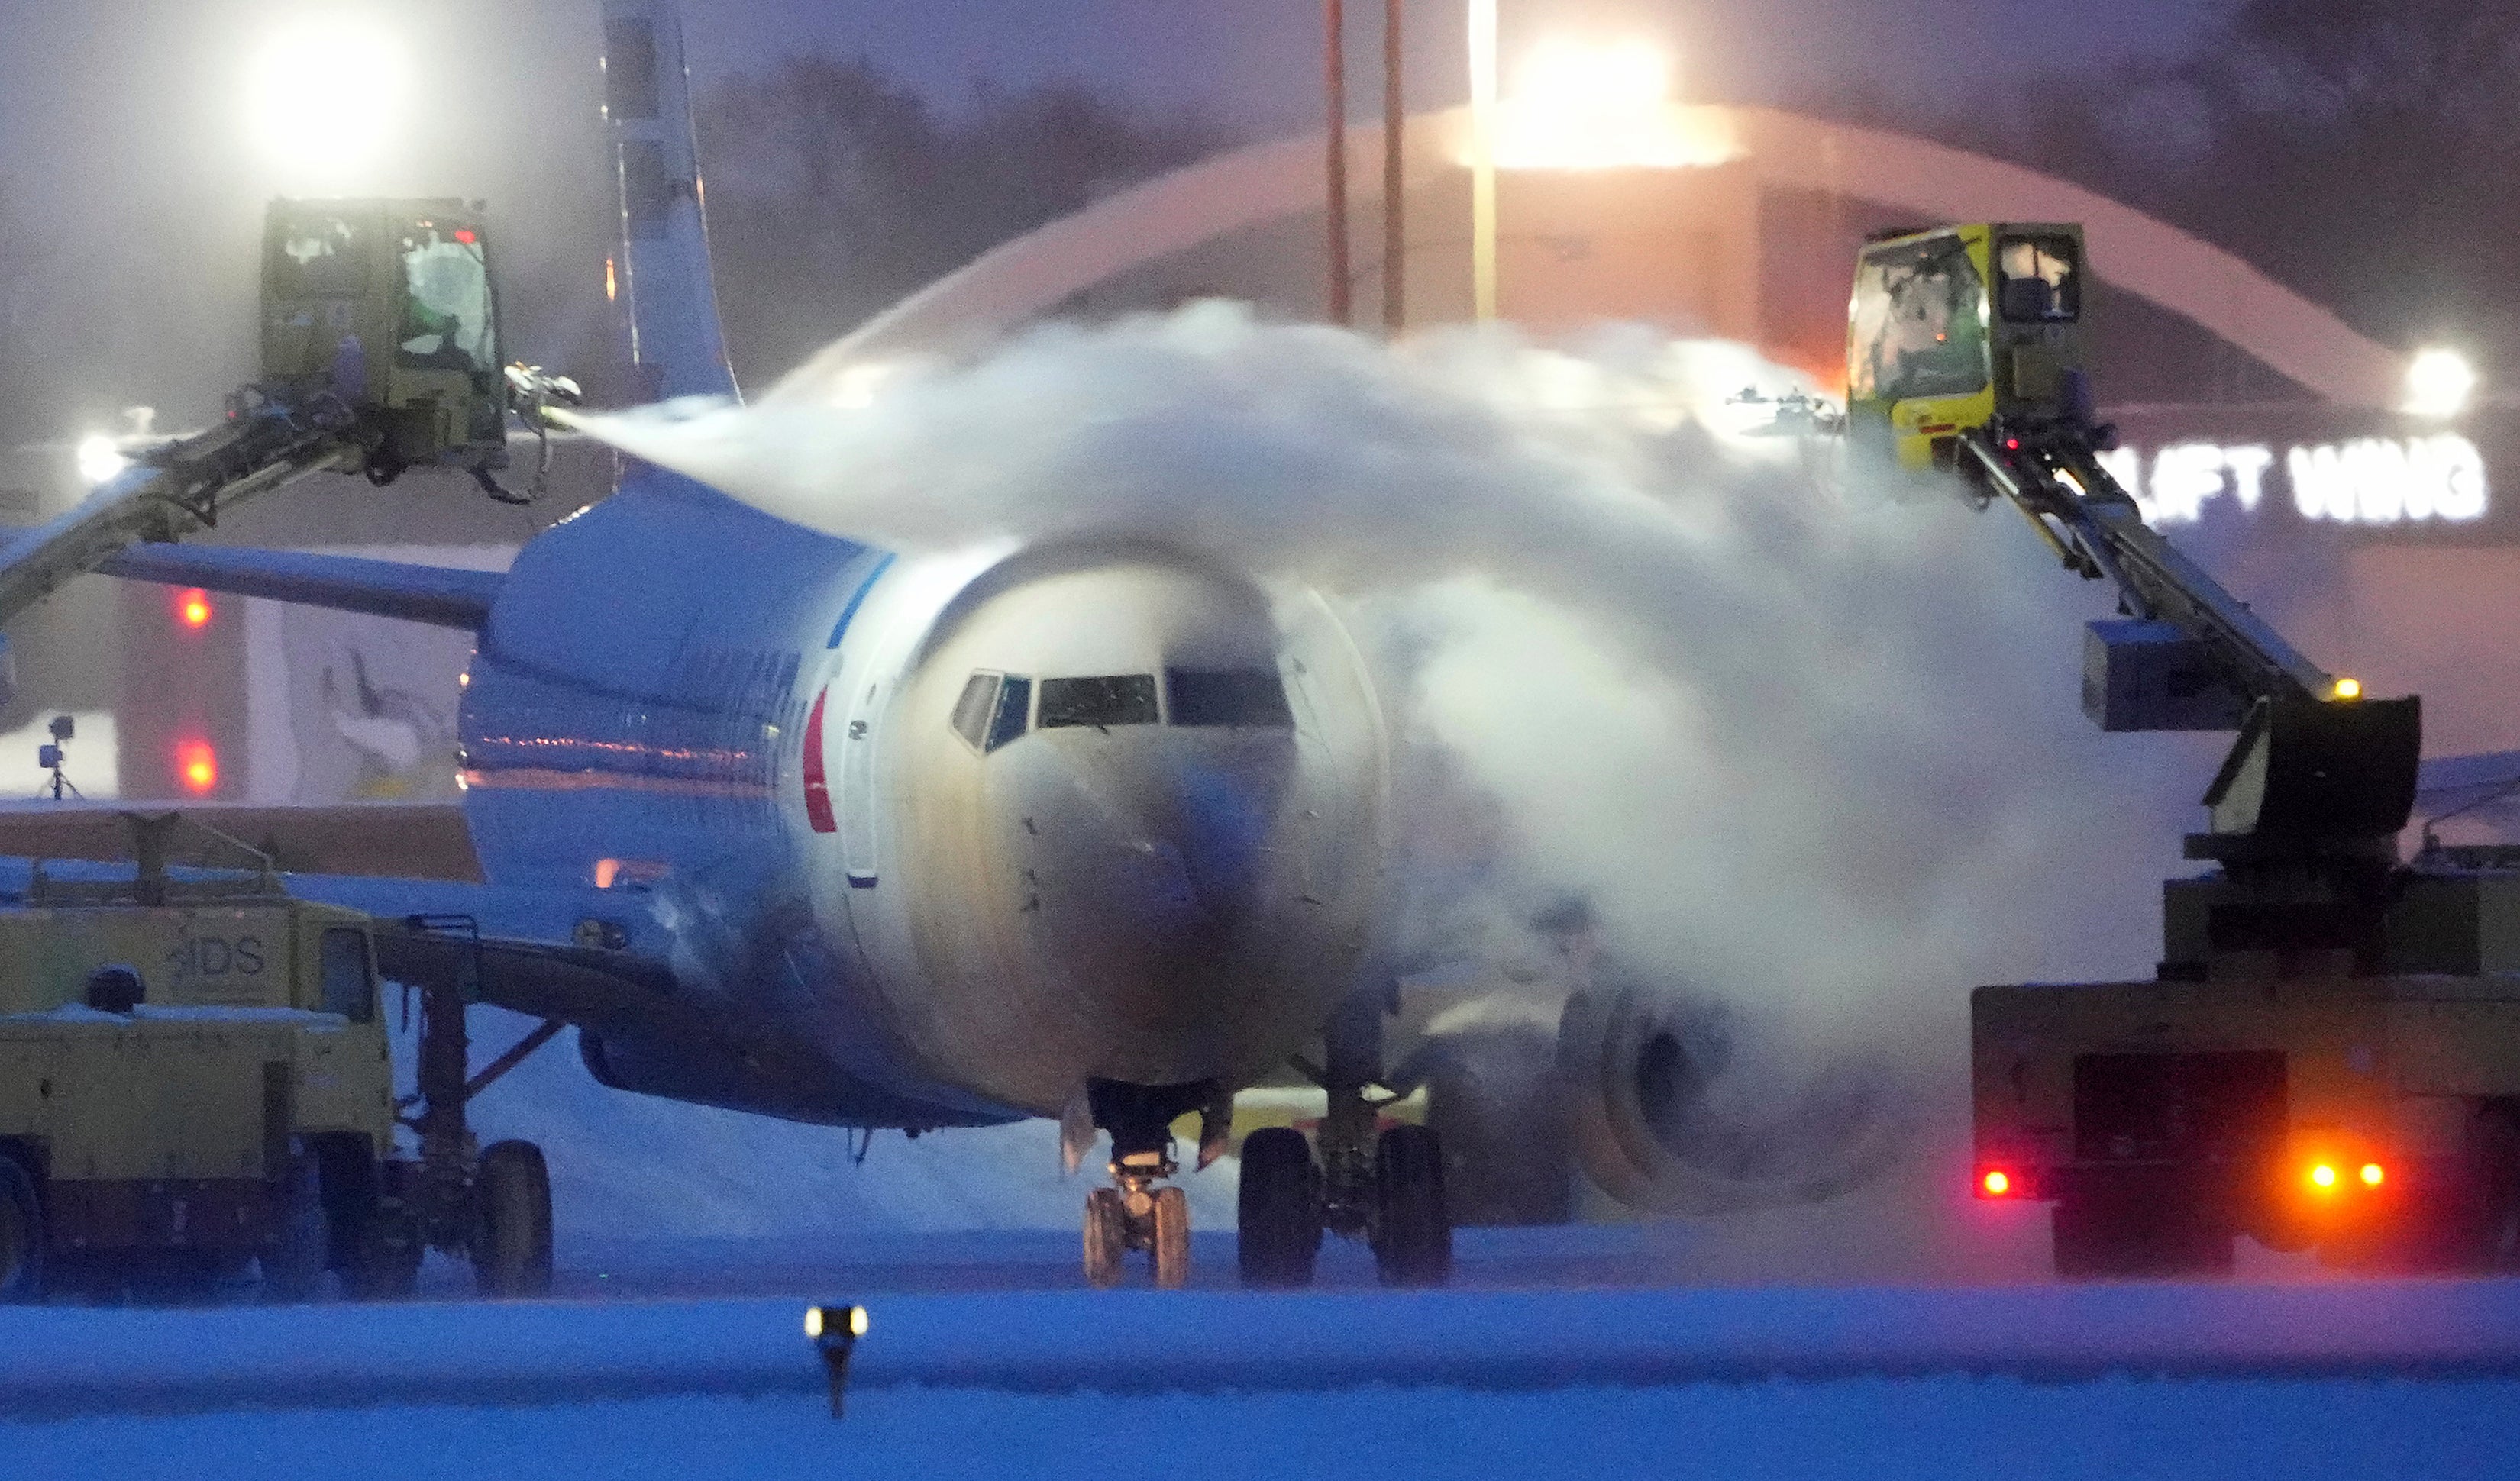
point(834, 1332)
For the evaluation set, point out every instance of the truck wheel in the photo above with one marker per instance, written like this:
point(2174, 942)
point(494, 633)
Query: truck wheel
point(300, 1255)
point(511, 1241)
point(1278, 1209)
point(1171, 1215)
point(2137, 1232)
point(22, 1235)
point(2494, 1159)
point(1412, 1231)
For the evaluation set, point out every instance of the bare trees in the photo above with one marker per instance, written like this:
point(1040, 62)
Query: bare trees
point(835, 192)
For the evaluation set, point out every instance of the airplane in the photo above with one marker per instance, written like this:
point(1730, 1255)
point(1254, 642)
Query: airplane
point(791, 825)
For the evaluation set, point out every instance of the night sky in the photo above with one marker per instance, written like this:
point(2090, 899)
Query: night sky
point(1254, 61)
point(126, 156)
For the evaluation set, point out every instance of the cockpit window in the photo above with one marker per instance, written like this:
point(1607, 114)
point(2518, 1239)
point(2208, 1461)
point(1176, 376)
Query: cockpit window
point(972, 710)
point(1115, 699)
point(1227, 696)
point(1014, 710)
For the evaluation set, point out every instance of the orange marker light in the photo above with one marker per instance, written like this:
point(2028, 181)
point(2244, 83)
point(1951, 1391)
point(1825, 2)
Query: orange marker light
point(2322, 1177)
point(197, 766)
point(2372, 1175)
point(1996, 1182)
point(193, 608)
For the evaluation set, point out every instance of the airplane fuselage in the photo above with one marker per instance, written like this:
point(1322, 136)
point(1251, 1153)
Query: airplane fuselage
point(929, 840)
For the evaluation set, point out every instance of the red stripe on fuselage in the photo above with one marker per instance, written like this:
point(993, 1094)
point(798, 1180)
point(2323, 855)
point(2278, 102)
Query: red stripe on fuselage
point(818, 793)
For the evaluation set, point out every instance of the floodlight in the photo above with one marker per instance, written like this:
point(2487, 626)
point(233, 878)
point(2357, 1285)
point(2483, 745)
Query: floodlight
point(325, 93)
point(99, 459)
point(2439, 382)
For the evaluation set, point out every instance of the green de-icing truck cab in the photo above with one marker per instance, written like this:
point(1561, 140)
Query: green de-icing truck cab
point(387, 305)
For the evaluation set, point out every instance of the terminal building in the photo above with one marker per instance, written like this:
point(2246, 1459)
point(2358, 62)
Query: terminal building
point(2263, 433)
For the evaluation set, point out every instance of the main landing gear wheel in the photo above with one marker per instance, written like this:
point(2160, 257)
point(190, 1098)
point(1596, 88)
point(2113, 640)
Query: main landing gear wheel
point(1412, 1233)
point(1278, 1223)
point(512, 1246)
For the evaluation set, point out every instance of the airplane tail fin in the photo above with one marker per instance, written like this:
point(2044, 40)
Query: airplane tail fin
point(658, 276)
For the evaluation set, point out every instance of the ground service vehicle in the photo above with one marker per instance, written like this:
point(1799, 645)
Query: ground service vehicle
point(2330, 1053)
point(194, 1077)
point(379, 355)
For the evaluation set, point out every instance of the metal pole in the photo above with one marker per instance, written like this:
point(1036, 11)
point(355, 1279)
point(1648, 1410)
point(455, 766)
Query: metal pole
point(1395, 116)
point(1335, 75)
point(1483, 207)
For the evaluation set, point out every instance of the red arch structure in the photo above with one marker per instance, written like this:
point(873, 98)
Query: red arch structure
point(1023, 279)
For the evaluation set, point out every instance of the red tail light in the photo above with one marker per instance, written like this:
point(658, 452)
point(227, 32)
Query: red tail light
point(1994, 1183)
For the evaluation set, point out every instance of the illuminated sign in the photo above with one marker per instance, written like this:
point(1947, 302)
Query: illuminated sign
point(2361, 481)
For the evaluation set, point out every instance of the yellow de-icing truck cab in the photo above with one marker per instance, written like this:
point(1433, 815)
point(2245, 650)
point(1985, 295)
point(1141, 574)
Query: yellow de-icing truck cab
point(195, 1080)
point(2328, 1055)
point(172, 1078)
point(1949, 329)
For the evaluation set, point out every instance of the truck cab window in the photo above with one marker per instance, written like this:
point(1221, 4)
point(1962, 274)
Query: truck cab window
point(115, 989)
point(446, 318)
point(318, 257)
point(349, 976)
point(1249, 697)
point(1104, 700)
point(2042, 283)
point(1918, 323)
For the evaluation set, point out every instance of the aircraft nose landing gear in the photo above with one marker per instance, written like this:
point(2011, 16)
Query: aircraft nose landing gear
point(1137, 1213)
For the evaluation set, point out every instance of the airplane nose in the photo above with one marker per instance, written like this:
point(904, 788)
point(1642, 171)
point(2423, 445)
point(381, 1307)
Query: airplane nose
point(1151, 861)
point(1204, 827)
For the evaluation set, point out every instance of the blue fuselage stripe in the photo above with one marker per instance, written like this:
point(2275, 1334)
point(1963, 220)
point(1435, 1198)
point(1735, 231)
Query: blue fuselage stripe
point(841, 627)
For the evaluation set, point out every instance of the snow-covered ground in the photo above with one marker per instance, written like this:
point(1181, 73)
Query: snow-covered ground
point(1872, 1428)
point(2416, 1379)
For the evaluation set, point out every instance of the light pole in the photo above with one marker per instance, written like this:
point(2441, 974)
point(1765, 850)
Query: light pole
point(1395, 116)
point(1334, 77)
point(1483, 111)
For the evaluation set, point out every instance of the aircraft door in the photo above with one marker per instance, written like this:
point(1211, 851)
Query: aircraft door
point(857, 787)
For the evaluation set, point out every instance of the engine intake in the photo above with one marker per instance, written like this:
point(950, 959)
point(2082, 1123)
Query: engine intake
point(1672, 1106)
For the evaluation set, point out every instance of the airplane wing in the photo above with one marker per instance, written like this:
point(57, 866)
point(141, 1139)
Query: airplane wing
point(417, 840)
point(2457, 783)
point(437, 595)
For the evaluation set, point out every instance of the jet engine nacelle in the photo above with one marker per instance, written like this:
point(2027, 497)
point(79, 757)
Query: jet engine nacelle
point(1672, 1109)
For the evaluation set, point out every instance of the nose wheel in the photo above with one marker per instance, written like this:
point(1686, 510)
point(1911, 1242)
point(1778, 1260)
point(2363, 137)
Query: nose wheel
point(1141, 1210)
point(1138, 1215)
